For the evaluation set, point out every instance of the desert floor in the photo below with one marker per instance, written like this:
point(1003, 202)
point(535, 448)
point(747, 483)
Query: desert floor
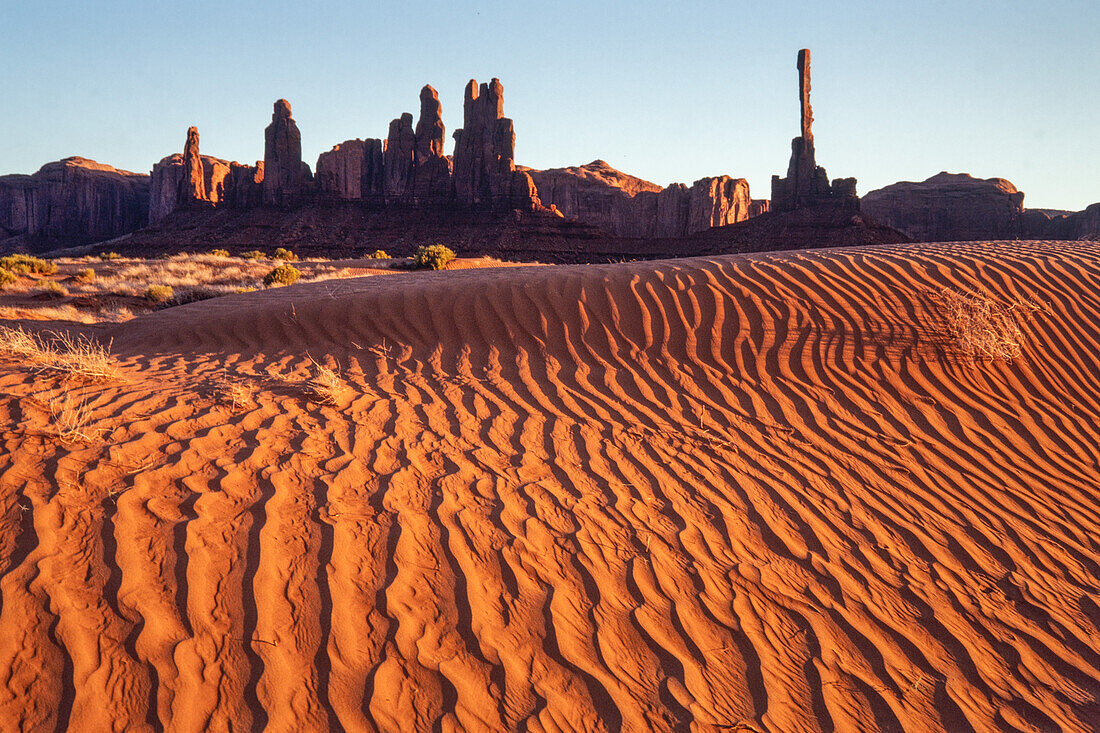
point(757, 492)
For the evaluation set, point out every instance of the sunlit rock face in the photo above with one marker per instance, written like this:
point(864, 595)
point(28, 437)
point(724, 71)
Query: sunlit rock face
point(627, 206)
point(950, 207)
point(72, 201)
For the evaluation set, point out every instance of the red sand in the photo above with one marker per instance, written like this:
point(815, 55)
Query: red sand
point(758, 492)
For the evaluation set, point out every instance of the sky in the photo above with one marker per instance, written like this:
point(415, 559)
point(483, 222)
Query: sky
point(667, 91)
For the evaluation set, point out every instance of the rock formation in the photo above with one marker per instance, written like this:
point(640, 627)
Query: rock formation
point(193, 182)
point(485, 172)
point(283, 171)
point(176, 183)
point(807, 183)
point(372, 182)
point(70, 202)
point(950, 207)
point(626, 206)
point(397, 161)
point(431, 168)
point(340, 170)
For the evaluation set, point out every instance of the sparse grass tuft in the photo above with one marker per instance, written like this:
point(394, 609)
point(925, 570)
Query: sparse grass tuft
point(72, 420)
point(325, 385)
point(282, 275)
point(87, 275)
point(281, 253)
point(983, 327)
point(234, 393)
point(25, 264)
point(77, 356)
point(159, 293)
point(52, 289)
point(433, 257)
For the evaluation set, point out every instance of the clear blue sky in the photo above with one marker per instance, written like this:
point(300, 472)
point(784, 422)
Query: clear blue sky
point(669, 91)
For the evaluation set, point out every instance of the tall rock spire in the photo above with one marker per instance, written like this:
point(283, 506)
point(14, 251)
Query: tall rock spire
point(283, 171)
point(807, 183)
point(193, 184)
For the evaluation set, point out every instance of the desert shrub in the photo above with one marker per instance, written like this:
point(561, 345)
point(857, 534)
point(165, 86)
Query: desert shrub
point(7, 278)
point(159, 293)
point(433, 257)
point(86, 275)
point(52, 289)
point(24, 264)
point(245, 289)
point(281, 253)
point(282, 275)
point(253, 254)
point(379, 254)
point(219, 253)
point(108, 256)
point(984, 327)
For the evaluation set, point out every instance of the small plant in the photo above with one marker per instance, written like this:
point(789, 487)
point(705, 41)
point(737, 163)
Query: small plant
point(7, 278)
point(282, 253)
point(25, 264)
point(108, 256)
point(236, 394)
point(52, 289)
point(71, 419)
point(86, 275)
point(983, 327)
point(380, 254)
point(159, 293)
point(219, 253)
point(245, 289)
point(325, 385)
point(77, 356)
point(282, 275)
point(253, 254)
point(433, 257)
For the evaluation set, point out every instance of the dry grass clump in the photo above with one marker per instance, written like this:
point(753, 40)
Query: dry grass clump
point(52, 289)
point(234, 393)
point(72, 420)
point(984, 327)
point(87, 275)
point(76, 356)
point(325, 384)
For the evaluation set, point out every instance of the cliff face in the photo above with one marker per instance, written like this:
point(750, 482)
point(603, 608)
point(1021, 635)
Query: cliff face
point(340, 170)
point(950, 207)
point(70, 202)
point(598, 195)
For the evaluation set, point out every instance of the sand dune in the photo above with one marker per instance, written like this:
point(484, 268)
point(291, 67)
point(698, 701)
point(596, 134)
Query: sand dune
point(760, 492)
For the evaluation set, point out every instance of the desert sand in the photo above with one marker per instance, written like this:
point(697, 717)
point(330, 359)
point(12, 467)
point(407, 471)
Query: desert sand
point(759, 492)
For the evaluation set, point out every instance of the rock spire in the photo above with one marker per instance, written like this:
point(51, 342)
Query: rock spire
point(807, 183)
point(283, 169)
